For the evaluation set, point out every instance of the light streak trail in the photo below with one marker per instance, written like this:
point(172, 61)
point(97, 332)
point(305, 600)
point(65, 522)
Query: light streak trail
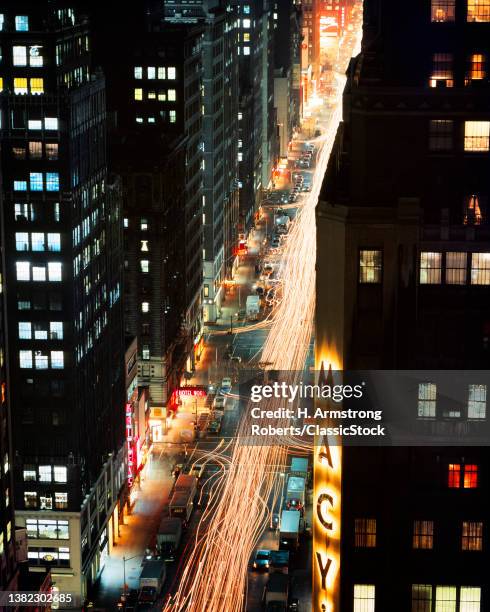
point(215, 574)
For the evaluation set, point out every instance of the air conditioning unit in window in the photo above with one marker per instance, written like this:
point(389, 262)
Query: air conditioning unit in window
point(441, 83)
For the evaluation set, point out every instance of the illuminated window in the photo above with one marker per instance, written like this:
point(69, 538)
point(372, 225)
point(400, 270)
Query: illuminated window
point(476, 135)
point(145, 266)
point(20, 185)
point(21, 241)
point(476, 68)
point(470, 480)
point(51, 150)
point(442, 70)
point(427, 396)
point(138, 94)
point(19, 56)
point(445, 599)
point(469, 599)
point(456, 268)
point(480, 268)
point(440, 135)
point(246, 23)
point(364, 597)
point(25, 359)
point(370, 266)
point(54, 271)
point(171, 95)
point(150, 71)
point(37, 86)
point(40, 360)
point(35, 56)
point(145, 352)
point(23, 270)
point(144, 245)
point(44, 473)
point(423, 535)
point(421, 598)
point(22, 23)
point(162, 96)
point(37, 241)
point(161, 73)
point(138, 72)
point(25, 330)
point(365, 533)
point(246, 37)
point(57, 360)
point(60, 473)
point(442, 10)
point(143, 224)
point(20, 85)
point(61, 502)
point(478, 10)
point(145, 306)
point(473, 209)
point(246, 50)
point(52, 181)
point(206, 290)
point(36, 181)
point(29, 475)
point(173, 116)
point(35, 150)
point(30, 499)
point(430, 268)
point(454, 476)
point(472, 536)
point(477, 402)
point(171, 73)
point(45, 502)
point(151, 95)
point(50, 123)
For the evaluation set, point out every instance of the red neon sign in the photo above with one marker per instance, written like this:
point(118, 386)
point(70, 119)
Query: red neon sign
point(191, 391)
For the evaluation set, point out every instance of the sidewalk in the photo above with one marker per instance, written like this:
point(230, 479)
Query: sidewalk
point(244, 279)
point(137, 533)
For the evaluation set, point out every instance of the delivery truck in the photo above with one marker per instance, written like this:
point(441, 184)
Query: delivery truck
point(168, 537)
point(181, 505)
point(252, 307)
point(289, 530)
point(186, 482)
point(276, 592)
point(295, 493)
point(151, 581)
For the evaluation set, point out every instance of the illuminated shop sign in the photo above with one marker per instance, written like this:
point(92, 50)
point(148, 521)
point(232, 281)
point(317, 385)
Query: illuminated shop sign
point(326, 524)
point(196, 391)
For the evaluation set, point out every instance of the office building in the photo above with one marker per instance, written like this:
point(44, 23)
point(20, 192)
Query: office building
point(220, 142)
point(404, 283)
point(63, 281)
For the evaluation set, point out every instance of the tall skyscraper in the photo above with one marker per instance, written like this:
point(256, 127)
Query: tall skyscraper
point(219, 139)
point(404, 283)
point(63, 275)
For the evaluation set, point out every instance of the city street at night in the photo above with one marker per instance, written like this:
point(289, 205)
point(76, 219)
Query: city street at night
point(244, 297)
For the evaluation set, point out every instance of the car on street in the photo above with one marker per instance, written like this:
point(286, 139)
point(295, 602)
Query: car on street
point(219, 402)
point(226, 384)
point(177, 469)
point(261, 559)
point(306, 187)
point(275, 242)
point(214, 426)
point(237, 358)
point(292, 198)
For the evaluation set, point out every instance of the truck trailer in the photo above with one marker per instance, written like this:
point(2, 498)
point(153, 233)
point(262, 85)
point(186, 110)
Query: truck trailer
point(168, 537)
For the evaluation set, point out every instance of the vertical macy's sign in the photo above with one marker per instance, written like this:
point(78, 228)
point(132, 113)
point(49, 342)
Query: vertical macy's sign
point(326, 526)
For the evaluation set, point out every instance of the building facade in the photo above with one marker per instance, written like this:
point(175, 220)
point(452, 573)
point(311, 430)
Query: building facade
point(404, 283)
point(63, 276)
point(219, 139)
